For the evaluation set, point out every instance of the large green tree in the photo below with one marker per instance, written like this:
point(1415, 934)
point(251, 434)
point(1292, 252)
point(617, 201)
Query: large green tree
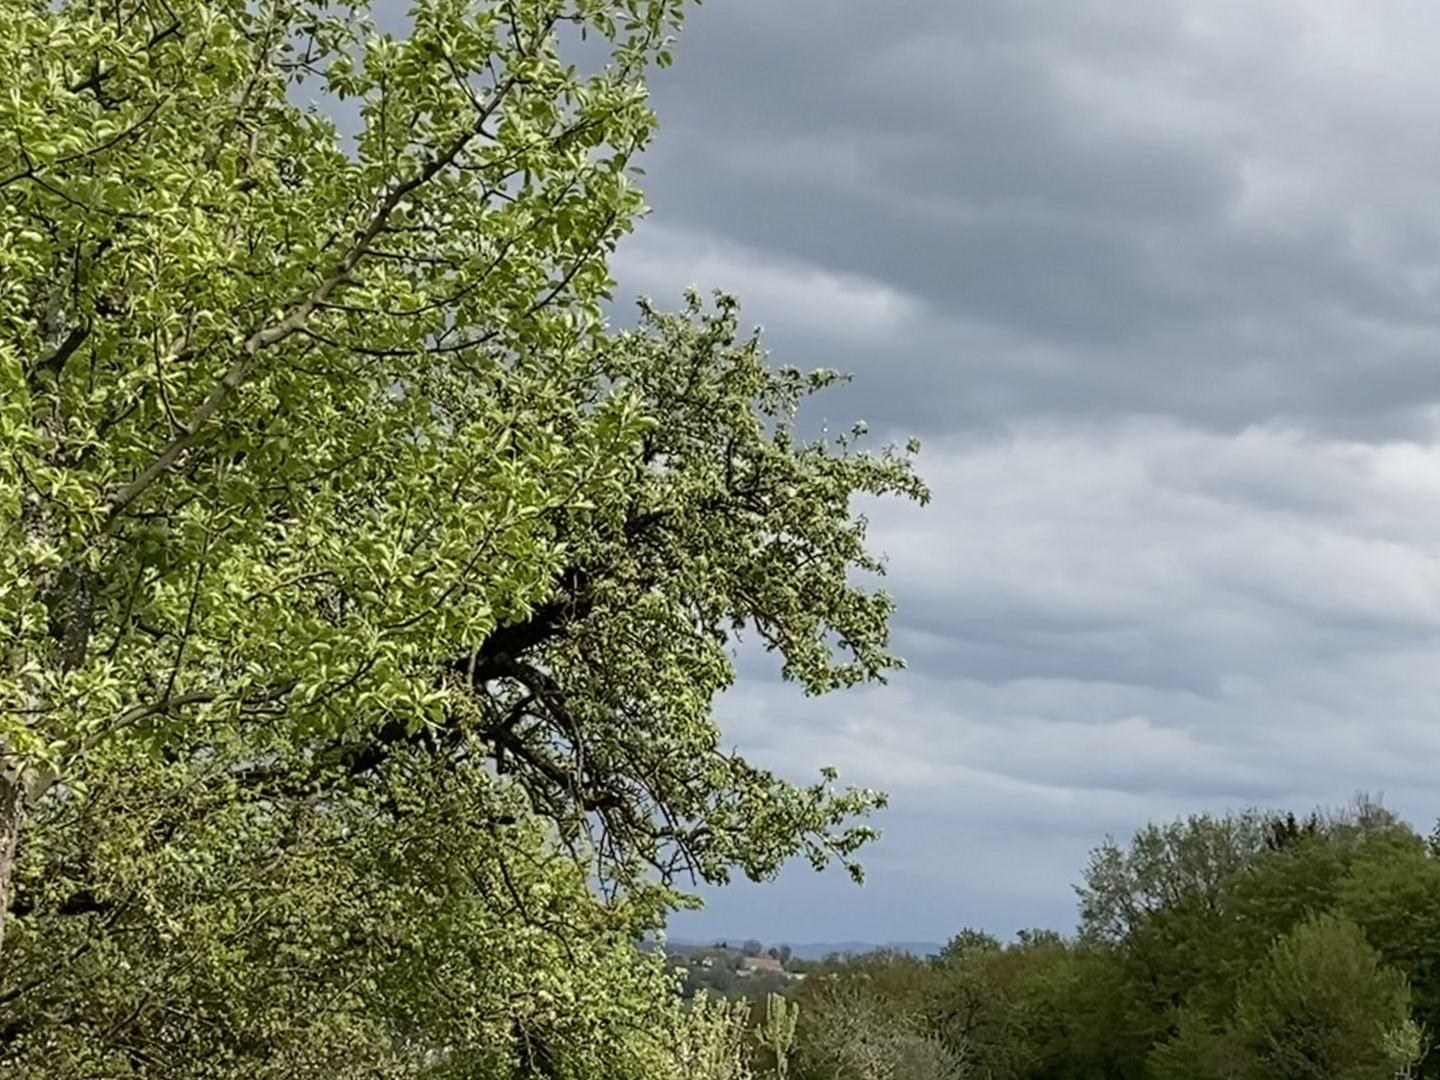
point(1321, 1006)
point(365, 596)
point(1161, 903)
point(275, 424)
point(317, 451)
point(272, 856)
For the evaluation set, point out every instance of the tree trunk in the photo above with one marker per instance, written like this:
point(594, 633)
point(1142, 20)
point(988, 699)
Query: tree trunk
point(12, 813)
point(71, 593)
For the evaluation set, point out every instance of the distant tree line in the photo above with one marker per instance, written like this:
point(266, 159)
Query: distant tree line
point(1253, 946)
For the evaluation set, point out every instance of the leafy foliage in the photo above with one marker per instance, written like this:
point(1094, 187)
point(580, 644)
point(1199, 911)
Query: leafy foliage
point(281, 422)
point(851, 1033)
point(776, 1032)
point(1321, 1005)
point(358, 462)
point(181, 924)
point(713, 1043)
point(364, 596)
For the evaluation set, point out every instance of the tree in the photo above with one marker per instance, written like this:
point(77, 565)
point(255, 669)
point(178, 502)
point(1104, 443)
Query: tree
point(775, 1033)
point(1191, 909)
point(1163, 868)
point(364, 596)
point(1322, 1007)
point(848, 1032)
point(236, 797)
point(276, 440)
point(965, 945)
point(1161, 903)
point(1074, 1013)
point(1303, 875)
point(1200, 1050)
point(1392, 891)
point(713, 1043)
point(325, 459)
point(1320, 1004)
point(1285, 832)
point(970, 1001)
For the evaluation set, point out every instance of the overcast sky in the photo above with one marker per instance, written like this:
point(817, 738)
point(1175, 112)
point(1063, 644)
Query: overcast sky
point(1158, 285)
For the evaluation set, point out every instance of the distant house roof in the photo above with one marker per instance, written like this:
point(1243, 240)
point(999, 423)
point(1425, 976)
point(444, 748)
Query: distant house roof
point(760, 963)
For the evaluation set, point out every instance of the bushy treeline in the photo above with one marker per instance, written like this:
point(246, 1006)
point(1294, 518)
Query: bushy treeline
point(1252, 946)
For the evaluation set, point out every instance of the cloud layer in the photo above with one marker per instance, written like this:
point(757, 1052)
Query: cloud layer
point(1176, 208)
point(1108, 625)
point(1160, 285)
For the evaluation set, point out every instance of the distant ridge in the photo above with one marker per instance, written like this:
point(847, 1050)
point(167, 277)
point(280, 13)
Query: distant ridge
point(817, 950)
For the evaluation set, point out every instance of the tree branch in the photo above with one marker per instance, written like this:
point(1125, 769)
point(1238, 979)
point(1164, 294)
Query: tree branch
point(55, 363)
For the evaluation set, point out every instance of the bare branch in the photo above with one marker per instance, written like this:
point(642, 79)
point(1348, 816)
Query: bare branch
point(55, 363)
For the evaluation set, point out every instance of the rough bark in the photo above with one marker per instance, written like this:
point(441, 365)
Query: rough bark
point(12, 810)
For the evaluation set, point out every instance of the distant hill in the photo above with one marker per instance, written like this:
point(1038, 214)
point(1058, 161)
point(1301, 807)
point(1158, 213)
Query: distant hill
point(820, 949)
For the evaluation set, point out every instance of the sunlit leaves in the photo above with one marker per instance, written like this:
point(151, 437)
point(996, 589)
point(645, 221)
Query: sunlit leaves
point(342, 514)
point(332, 507)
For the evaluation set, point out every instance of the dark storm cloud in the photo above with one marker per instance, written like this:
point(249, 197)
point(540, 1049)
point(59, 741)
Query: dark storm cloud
point(1220, 212)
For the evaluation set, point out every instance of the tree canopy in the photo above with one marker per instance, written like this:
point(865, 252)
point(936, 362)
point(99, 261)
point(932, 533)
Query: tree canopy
point(1248, 946)
point(365, 594)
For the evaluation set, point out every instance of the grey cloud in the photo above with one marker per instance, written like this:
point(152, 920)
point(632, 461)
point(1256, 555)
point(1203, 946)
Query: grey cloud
point(1156, 557)
point(1160, 284)
point(1110, 623)
point(1217, 211)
